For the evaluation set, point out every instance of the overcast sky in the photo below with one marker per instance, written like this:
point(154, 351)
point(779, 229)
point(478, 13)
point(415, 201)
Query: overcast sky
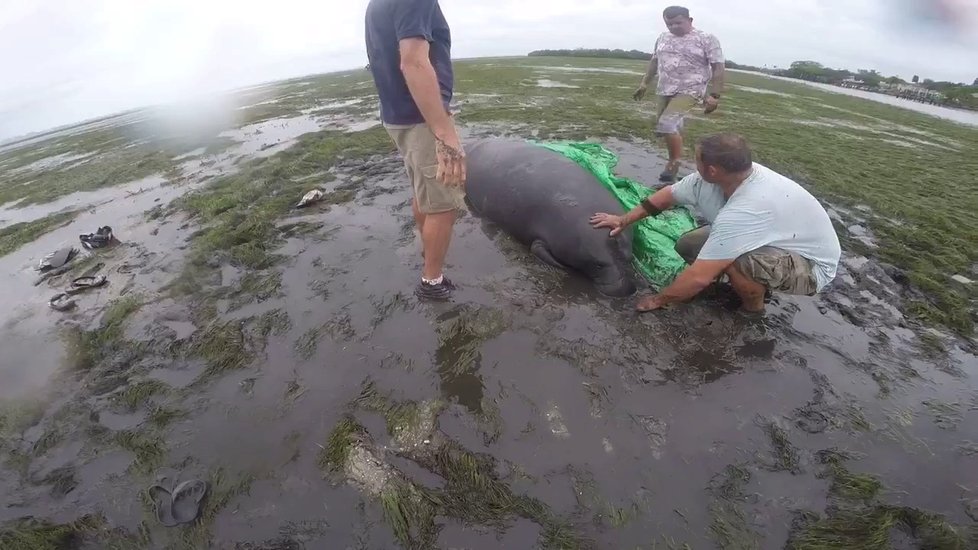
point(69, 60)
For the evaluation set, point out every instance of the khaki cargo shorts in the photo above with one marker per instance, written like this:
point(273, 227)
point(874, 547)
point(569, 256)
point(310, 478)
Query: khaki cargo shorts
point(416, 144)
point(671, 111)
point(777, 269)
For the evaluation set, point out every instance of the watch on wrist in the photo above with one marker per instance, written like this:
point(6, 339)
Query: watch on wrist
point(715, 95)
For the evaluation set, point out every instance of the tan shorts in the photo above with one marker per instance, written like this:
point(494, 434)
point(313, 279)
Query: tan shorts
point(777, 269)
point(416, 144)
point(671, 111)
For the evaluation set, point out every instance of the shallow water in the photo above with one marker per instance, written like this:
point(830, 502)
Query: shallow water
point(957, 115)
point(578, 400)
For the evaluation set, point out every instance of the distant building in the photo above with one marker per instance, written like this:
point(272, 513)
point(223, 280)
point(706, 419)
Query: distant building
point(917, 92)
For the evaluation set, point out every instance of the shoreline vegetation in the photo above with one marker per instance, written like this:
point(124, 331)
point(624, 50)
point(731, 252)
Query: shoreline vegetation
point(956, 95)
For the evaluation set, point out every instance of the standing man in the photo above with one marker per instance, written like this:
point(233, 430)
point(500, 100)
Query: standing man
point(687, 61)
point(766, 232)
point(409, 50)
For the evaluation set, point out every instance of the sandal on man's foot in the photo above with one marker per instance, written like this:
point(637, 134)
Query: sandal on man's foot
point(440, 291)
point(669, 176)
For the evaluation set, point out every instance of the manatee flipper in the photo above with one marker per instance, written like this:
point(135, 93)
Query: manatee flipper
point(539, 249)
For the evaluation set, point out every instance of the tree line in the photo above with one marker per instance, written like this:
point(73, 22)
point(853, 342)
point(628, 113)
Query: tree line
point(958, 94)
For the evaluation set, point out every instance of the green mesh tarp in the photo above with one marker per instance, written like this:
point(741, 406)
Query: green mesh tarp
point(654, 238)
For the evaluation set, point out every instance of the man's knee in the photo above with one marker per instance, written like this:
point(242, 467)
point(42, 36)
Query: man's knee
point(689, 245)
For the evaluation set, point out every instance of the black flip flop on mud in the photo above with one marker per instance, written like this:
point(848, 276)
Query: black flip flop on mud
point(177, 503)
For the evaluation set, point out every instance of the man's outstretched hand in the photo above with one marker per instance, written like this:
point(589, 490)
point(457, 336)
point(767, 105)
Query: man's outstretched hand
point(640, 93)
point(650, 303)
point(615, 223)
point(451, 159)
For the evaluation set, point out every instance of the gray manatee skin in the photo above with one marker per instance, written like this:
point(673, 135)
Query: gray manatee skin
point(545, 200)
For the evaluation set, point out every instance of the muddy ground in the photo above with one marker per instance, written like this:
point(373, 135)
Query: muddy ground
point(283, 358)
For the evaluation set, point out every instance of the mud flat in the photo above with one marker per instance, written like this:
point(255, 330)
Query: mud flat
point(279, 354)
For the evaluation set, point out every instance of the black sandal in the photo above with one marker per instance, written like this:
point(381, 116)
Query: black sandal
point(99, 239)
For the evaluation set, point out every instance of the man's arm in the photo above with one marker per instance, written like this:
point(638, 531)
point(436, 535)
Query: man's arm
point(661, 200)
point(714, 54)
point(423, 85)
point(717, 81)
point(650, 72)
point(413, 26)
point(693, 280)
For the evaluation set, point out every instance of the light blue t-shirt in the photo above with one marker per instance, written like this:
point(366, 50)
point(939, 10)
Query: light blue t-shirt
point(767, 209)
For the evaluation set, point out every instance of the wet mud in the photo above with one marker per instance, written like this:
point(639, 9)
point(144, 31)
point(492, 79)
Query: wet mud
point(328, 408)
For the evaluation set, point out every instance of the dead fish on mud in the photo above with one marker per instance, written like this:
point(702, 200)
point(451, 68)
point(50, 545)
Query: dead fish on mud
point(310, 198)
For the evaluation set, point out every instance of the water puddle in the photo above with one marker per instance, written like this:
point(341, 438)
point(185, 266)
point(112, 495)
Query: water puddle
point(545, 83)
point(266, 138)
point(333, 105)
point(761, 91)
point(11, 213)
point(64, 161)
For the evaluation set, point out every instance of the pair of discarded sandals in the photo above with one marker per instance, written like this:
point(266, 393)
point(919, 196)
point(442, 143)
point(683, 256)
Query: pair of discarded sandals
point(177, 503)
point(101, 238)
point(63, 301)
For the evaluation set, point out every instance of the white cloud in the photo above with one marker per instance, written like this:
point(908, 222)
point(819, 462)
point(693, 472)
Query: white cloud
point(66, 60)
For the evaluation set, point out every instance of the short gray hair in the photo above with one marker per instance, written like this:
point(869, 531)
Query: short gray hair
point(727, 150)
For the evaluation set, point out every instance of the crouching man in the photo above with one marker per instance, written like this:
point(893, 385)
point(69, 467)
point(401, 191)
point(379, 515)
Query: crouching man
point(765, 231)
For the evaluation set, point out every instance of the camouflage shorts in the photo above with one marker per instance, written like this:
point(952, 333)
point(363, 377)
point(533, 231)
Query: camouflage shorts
point(777, 269)
point(672, 111)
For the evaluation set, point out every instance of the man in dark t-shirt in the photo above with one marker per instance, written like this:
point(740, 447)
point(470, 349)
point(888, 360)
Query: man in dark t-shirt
point(409, 50)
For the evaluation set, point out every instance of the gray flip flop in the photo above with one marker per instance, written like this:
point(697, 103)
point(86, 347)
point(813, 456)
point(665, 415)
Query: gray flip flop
point(162, 503)
point(61, 302)
point(187, 499)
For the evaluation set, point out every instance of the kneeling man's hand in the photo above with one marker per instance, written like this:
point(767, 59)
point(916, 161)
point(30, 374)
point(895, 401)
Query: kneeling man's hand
point(650, 303)
point(616, 223)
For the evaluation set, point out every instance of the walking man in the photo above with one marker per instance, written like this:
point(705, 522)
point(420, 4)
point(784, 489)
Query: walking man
point(766, 232)
point(687, 61)
point(409, 50)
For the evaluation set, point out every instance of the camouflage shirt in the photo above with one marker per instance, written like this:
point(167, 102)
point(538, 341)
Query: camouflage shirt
point(684, 62)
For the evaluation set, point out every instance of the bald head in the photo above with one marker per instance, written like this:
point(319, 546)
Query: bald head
point(727, 151)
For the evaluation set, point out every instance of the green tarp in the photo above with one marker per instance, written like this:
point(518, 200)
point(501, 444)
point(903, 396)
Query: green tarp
point(654, 238)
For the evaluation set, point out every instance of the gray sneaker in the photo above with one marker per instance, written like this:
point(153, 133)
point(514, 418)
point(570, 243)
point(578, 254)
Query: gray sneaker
point(441, 291)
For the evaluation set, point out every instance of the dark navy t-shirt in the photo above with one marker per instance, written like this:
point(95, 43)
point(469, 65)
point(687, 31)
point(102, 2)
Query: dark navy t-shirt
point(389, 21)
